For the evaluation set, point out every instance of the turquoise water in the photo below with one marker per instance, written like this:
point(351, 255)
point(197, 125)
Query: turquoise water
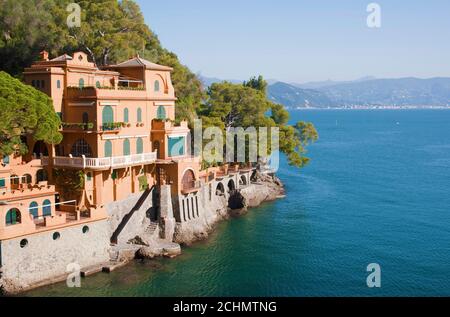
point(377, 190)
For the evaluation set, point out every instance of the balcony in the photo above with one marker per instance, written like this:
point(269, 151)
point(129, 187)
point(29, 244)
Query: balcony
point(102, 162)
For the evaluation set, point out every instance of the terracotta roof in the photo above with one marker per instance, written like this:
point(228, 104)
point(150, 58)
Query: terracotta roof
point(140, 62)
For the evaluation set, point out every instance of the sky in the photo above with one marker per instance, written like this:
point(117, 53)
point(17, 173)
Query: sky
point(300, 41)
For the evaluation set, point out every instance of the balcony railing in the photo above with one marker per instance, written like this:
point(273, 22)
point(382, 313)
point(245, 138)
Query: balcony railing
point(102, 162)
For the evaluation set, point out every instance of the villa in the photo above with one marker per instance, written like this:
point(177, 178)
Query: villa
point(138, 175)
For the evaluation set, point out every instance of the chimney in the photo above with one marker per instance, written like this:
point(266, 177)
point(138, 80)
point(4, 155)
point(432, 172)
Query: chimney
point(44, 55)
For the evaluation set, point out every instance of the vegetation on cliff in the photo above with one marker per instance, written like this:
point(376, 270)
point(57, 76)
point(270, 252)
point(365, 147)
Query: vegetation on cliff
point(25, 110)
point(112, 31)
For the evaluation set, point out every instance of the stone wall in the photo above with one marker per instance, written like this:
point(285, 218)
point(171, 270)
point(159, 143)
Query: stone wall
point(44, 259)
point(130, 217)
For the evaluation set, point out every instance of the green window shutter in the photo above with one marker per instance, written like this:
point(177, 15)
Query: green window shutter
point(161, 113)
point(11, 217)
point(114, 174)
point(125, 115)
point(176, 146)
point(139, 146)
point(97, 84)
point(126, 147)
point(108, 148)
point(156, 85)
point(139, 115)
point(34, 209)
point(81, 83)
point(46, 208)
point(107, 117)
point(2, 182)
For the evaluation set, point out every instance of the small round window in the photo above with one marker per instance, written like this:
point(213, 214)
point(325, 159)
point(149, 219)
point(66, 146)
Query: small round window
point(85, 229)
point(23, 243)
point(56, 236)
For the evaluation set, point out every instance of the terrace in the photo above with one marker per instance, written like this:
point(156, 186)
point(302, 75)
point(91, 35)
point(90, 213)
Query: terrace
point(101, 162)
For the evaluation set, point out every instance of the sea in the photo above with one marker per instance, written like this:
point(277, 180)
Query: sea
point(376, 192)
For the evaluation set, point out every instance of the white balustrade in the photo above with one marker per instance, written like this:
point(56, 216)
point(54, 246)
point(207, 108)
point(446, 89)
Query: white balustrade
point(101, 162)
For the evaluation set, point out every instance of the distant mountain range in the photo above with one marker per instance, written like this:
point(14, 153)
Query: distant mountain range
point(365, 92)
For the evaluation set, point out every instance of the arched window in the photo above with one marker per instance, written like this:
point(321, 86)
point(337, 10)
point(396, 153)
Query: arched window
point(27, 179)
point(126, 118)
point(41, 176)
point(58, 84)
point(13, 217)
point(161, 113)
point(85, 117)
point(139, 146)
point(107, 117)
point(81, 83)
point(15, 180)
point(34, 210)
point(81, 147)
point(126, 147)
point(231, 186)
point(47, 208)
point(108, 148)
point(139, 115)
point(156, 85)
point(188, 180)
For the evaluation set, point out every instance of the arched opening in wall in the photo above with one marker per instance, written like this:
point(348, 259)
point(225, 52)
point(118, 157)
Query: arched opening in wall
point(231, 186)
point(243, 180)
point(13, 217)
point(81, 147)
point(34, 210)
point(41, 176)
point(15, 181)
point(40, 148)
point(85, 118)
point(47, 208)
point(220, 190)
point(27, 179)
point(188, 180)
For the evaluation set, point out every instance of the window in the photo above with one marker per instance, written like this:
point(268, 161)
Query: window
point(88, 176)
point(23, 243)
point(139, 115)
point(15, 180)
point(80, 148)
point(85, 118)
point(125, 115)
point(176, 146)
point(33, 209)
point(108, 148)
point(41, 176)
point(5, 159)
point(114, 174)
point(42, 84)
point(13, 217)
point(2, 182)
point(85, 229)
point(33, 83)
point(56, 236)
point(38, 84)
point(161, 113)
point(107, 117)
point(47, 208)
point(27, 178)
point(156, 85)
point(126, 147)
point(139, 146)
point(97, 84)
point(81, 83)
point(58, 84)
